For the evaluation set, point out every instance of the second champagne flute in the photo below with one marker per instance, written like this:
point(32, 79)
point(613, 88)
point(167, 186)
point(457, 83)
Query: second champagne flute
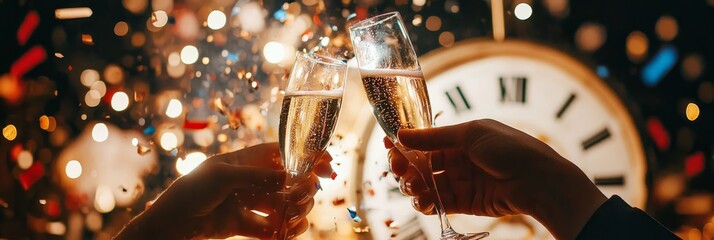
point(308, 116)
point(395, 87)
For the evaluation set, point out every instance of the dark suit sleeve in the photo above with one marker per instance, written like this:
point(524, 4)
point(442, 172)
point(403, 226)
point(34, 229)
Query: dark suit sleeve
point(615, 219)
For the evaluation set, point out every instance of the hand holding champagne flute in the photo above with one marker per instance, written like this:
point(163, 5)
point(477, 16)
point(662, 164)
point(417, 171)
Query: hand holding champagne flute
point(395, 87)
point(308, 116)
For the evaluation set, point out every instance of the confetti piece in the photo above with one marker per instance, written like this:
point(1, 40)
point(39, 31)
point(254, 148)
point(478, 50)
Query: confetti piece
point(32, 175)
point(194, 125)
point(318, 186)
point(388, 222)
point(27, 27)
point(142, 149)
point(338, 201)
point(333, 175)
point(364, 229)
point(87, 39)
point(694, 164)
point(353, 215)
point(28, 61)
point(149, 130)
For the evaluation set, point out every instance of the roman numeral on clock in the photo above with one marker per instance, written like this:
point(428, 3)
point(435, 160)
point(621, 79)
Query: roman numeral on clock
point(458, 99)
point(565, 106)
point(513, 89)
point(596, 139)
point(610, 181)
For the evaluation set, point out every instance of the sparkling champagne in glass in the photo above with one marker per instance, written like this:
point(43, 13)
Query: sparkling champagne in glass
point(396, 89)
point(308, 117)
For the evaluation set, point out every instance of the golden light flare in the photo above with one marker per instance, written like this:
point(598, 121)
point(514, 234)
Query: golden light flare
point(446, 39)
point(9, 132)
point(185, 166)
point(692, 111)
point(121, 28)
point(433, 23)
point(637, 46)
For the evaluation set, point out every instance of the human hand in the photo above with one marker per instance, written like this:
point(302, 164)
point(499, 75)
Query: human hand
point(492, 169)
point(217, 199)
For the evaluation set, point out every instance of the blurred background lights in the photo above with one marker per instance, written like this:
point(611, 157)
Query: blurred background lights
point(692, 66)
point(113, 74)
point(189, 54)
point(419, 2)
point(590, 36)
point(104, 200)
point(216, 20)
point(192, 161)
point(100, 87)
point(637, 46)
point(174, 108)
point(120, 101)
point(666, 28)
point(56, 228)
point(9, 132)
point(274, 52)
point(73, 169)
point(692, 111)
point(24, 159)
point(168, 141)
point(92, 98)
point(433, 23)
point(121, 28)
point(174, 59)
point(446, 39)
point(88, 77)
point(523, 11)
point(159, 18)
point(100, 132)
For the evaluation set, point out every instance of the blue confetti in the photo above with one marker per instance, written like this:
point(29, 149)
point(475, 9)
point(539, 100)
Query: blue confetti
point(280, 15)
point(318, 186)
point(659, 65)
point(232, 56)
point(174, 152)
point(353, 215)
point(602, 71)
point(149, 130)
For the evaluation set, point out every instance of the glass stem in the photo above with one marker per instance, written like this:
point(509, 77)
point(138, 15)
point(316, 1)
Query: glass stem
point(282, 233)
point(422, 162)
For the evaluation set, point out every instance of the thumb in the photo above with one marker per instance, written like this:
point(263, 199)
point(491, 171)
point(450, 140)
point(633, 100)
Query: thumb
point(431, 139)
point(252, 178)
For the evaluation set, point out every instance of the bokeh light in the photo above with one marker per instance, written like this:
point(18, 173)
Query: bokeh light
point(666, 28)
point(24, 159)
point(189, 54)
point(692, 111)
point(216, 20)
point(523, 11)
point(590, 36)
point(92, 98)
point(121, 28)
point(174, 59)
point(104, 201)
point(446, 39)
point(168, 141)
point(73, 169)
point(120, 101)
point(9, 132)
point(637, 46)
point(100, 132)
point(100, 87)
point(692, 66)
point(274, 52)
point(174, 108)
point(88, 77)
point(433, 23)
point(113, 74)
point(185, 166)
point(419, 3)
point(159, 18)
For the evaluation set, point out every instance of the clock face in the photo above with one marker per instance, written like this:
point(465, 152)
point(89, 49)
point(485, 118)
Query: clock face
point(532, 88)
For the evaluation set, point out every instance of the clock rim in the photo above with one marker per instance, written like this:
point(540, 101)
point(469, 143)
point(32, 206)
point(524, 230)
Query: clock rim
point(434, 63)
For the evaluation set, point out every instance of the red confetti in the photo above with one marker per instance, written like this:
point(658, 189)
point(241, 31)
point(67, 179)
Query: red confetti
point(333, 175)
point(27, 27)
point(694, 164)
point(659, 133)
point(194, 125)
point(30, 177)
point(338, 201)
point(371, 192)
point(107, 99)
point(362, 13)
point(28, 61)
point(388, 222)
point(53, 208)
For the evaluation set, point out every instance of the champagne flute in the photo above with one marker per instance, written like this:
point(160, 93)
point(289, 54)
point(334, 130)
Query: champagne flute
point(308, 117)
point(395, 87)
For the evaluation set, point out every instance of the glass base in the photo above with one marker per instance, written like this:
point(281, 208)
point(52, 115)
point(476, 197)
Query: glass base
point(453, 235)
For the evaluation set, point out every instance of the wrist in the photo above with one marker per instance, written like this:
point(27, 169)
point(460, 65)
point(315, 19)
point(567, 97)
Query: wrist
point(568, 204)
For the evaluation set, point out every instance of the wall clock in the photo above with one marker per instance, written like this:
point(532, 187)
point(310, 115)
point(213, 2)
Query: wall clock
point(534, 88)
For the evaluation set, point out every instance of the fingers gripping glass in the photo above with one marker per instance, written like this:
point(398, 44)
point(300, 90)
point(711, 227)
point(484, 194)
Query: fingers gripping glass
point(395, 87)
point(308, 116)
